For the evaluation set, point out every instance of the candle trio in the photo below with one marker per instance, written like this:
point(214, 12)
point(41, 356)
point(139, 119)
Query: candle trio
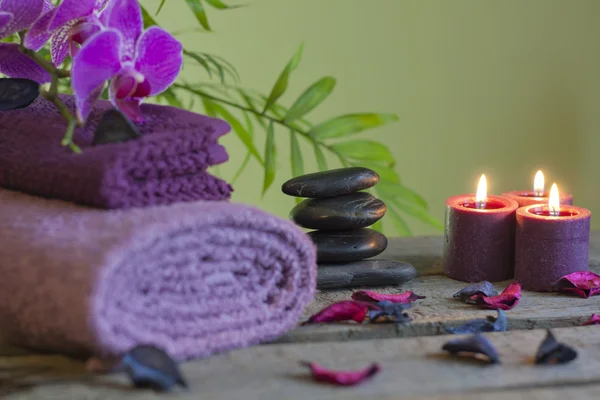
point(535, 236)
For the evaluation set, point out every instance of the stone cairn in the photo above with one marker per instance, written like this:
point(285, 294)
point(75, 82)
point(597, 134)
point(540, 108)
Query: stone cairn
point(339, 213)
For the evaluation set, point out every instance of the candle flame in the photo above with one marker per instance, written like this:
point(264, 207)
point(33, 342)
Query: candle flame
point(554, 200)
point(538, 183)
point(481, 196)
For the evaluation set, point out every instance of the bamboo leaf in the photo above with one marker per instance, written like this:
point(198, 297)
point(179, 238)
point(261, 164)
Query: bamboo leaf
point(219, 67)
point(241, 168)
point(321, 160)
point(399, 223)
point(147, 17)
point(386, 174)
point(198, 9)
point(162, 3)
point(297, 160)
point(171, 98)
point(200, 60)
point(389, 194)
point(367, 150)
point(282, 82)
point(350, 124)
point(270, 159)
point(219, 5)
point(378, 226)
point(224, 64)
point(404, 193)
point(311, 98)
point(208, 107)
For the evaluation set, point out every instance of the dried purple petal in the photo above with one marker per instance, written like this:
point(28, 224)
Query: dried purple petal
point(583, 284)
point(347, 310)
point(151, 367)
point(389, 313)
point(553, 352)
point(341, 378)
point(594, 320)
point(490, 324)
point(484, 288)
point(506, 300)
point(475, 346)
point(404, 298)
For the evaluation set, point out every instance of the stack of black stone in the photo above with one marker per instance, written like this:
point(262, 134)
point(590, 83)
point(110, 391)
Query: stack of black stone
point(339, 212)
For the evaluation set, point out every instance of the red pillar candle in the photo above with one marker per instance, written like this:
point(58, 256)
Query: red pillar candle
point(537, 195)
point(479, 237)
point(551, 241)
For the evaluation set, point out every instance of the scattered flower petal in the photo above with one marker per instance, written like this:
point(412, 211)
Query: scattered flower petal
point(506, 300)
point(490, 324)
point(484, 288)
point(17, 93)
point(594, 320)
point(475, 346)
point(553, 352)
point(583, 284)
point(389, 312)
point(347, 310)
point(341, 378)
point(151, 367)
point(368, 295)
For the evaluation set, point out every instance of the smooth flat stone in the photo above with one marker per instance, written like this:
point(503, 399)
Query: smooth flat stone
point(335, 182)
point(114, 127)
point(17, 93)
point(351, 211)
point(349, 245)
point(364, 273)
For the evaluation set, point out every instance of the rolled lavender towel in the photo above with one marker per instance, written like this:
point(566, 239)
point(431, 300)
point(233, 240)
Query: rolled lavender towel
point(193, 278)
point(166, 164)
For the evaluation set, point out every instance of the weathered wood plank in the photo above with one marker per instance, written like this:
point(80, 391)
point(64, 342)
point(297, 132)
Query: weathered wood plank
point(412, 368)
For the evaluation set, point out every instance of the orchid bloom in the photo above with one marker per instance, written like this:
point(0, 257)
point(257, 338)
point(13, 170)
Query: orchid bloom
point(139, 64)
point(69, 26)
point(15, 16)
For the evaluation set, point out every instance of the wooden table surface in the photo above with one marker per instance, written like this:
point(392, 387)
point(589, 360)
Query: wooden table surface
point(413, 366)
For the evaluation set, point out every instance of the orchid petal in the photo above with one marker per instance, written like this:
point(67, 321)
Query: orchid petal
point(60, 43)
point(38, 35)
point(15, 64)
point(130, 107)
point(126, 17)
point(102, 5)
point(5, 19)
point(47, 6)
point(159, 58)
point(70, 10)
point(96, 63)
point(24, 12)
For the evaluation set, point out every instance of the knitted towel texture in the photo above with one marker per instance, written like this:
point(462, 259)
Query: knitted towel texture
point(167, 164)
point(193, 278)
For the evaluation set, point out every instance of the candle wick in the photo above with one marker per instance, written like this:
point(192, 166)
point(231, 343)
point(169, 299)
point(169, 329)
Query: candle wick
point(538, 193)
point(480, 204)
point(554, 212)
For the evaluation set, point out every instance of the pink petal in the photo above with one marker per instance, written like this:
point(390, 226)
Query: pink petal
point(159, 58)
point(97, 62)
point(126, 17)
point(341, 378)
point(347, 310)
point(583, 284)
point(506, 300)
point(38, 35)
point(5, 19)
point(101, 4)
point(15, 64)
point(404, 298)
point(47, 6)
point(24, 12)
point(70, 10)
point(130, 107)
point(594, 320)
point(60, 43)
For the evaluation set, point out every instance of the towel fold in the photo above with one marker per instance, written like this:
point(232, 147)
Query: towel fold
point(193, 278)
point(168, 163)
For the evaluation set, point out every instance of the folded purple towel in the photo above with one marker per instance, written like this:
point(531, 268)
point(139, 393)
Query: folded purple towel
point(168, 163)
point(193, 278)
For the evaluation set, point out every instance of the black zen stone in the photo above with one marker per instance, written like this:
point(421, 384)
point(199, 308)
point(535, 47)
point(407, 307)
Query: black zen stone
point(351, 211)
point(17, 93)
point(114, 127)
point(364, 273)
point(335, 182)
point(348, 245)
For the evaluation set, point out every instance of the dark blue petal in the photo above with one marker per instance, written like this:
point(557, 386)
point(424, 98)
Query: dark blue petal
point(151, 367)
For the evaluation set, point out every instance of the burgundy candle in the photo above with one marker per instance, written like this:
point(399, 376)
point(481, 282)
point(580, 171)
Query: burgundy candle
point(537, 195)
point(479, 237)
point(551, 241)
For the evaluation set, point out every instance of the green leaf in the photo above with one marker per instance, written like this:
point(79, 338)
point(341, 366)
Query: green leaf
point(200, 60)
point(378, 226)
point(311, 98)
point(208, 107)
point(198, 10)
point(404, 194)
point(282, 82)
point(162, 3)
point(389, 194)
point(219, 5)
point(238, 128)
point(368, 150)
point(350, 124)
point(242, 168)
point(399, 223)
point(321, 160)
point(297, 160)
point(219, 67)
point(147, 17)
point(386, 174)
point(270, 159)
point(221, 63)
point(171, 98)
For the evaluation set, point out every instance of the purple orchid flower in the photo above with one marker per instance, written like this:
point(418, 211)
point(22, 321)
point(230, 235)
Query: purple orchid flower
point(69, 26)
point(139, 64)
point(15, 16)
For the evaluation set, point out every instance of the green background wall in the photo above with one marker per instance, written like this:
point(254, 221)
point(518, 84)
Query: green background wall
point(481, 86)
